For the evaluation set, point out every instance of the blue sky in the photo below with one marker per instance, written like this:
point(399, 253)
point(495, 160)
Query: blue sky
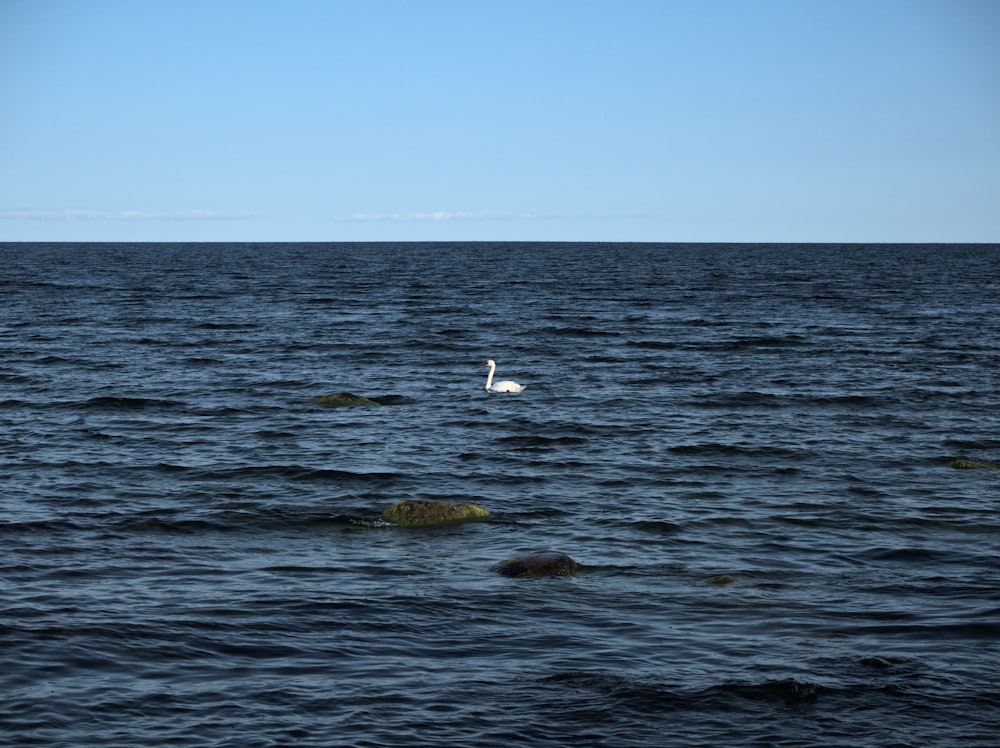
point(385, 120)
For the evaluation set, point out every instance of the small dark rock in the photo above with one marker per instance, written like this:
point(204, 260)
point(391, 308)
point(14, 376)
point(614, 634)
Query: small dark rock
point(544, 564)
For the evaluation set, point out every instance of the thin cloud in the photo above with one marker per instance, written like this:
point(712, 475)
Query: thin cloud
point(126, 215)
point(441, 215)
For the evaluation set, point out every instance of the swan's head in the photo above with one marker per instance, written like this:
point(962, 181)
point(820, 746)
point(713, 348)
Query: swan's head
point(490, 363)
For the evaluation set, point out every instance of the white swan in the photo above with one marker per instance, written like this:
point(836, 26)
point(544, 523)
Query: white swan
point(505, 386)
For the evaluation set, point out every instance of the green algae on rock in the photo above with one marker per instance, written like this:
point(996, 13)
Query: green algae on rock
point(426, 513)
point(963, 464)
point(544, 564)
point(344, 398)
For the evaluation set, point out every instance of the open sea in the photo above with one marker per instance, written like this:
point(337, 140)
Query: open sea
point(748, 448)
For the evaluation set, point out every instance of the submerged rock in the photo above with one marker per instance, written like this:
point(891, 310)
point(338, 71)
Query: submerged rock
point(424, 513)
point(963, 464)
point(344, 398)
point(721, 580)
point(790, 690)
point(544, 564)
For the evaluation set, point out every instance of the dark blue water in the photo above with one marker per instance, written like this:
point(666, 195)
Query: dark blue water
point(748, 448)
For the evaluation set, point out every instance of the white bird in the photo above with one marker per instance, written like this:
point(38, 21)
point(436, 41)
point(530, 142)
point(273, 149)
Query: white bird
point(505, 386)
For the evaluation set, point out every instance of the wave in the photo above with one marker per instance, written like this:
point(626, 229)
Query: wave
point(761, 343)
point(864, 680)
point(657, 345)
point(643, 695)
point(130, 403)
point(757, 399)
point(579, 332)
point(537, 441)
point(225, 326)
point(285, 472)
point(737, 450)
point(247, 520)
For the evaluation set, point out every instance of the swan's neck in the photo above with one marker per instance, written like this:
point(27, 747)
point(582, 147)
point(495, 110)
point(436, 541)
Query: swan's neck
point(489, 377)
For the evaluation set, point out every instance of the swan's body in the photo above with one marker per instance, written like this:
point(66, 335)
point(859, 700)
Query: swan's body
point(505, 386)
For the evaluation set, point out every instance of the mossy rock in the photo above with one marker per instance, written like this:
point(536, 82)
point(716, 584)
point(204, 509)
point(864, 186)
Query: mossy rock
point(963, 464)
point(428, 513)
point(544, 564)
point(344, 398)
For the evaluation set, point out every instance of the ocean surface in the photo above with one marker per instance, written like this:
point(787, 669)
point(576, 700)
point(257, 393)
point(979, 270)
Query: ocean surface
point(748, 449)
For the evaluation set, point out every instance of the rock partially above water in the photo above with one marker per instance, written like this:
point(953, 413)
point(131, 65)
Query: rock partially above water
point(344, 398)
point(544, 564)
point(963, 464)
point(424, 513)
